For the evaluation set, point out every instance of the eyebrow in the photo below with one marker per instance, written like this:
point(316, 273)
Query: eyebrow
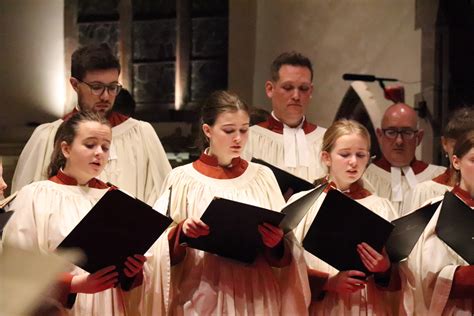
point(95, 138)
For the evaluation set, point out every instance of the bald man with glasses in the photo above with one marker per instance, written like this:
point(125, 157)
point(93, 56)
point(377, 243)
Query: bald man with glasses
point(137, 162)
point(398, 171)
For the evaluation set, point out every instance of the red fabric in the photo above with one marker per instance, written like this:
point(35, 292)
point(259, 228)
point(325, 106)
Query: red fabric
point(64, 288)
point(275, 126)
point(62, 178)
point(114, 118)
point(463, 283)
point(317, 280)
point(463, 195)
point(177, 251)
point(356, 190)
point(208, 166)
point(445, 177)
point(418, 166)
point(396, 94)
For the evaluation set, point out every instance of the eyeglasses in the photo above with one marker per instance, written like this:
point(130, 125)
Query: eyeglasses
point(99, 88)
point(405, 133)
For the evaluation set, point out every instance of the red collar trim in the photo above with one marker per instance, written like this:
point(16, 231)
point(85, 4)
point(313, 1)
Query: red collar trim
point(445, 178)
point(276, 126)
point(463, 195)
point(418, 166)
point(62, 178)
point(356, 190)
point(208, 166)
point(114, 118)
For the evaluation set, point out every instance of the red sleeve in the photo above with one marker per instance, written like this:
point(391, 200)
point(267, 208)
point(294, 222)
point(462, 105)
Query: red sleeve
point(278, 256)
point(177, 251)
point(317, 280)
point(463, 283)
point(65, 297)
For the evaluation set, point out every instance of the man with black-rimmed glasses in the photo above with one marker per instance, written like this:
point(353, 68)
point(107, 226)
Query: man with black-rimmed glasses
point(137, 163)
point(398, 171)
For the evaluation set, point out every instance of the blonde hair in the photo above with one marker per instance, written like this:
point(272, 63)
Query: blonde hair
point(341, 128)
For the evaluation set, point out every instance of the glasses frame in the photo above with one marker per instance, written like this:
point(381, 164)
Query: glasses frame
point(115, 86)
point(400, 131)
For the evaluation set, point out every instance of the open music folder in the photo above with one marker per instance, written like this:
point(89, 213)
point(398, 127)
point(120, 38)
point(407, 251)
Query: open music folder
point(233, 229)
point(118, 226)
point(407, 231)
point(286, 180)
point(340, 225)
point(455, 226)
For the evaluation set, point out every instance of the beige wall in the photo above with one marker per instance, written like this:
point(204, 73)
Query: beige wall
point(340, 36)
point(32, 75)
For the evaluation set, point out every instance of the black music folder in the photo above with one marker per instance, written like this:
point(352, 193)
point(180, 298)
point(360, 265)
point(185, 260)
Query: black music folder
point(296, 210)
point(340, 225)
point(287, 180)
point(407, 231)
point(118, 226)
point(233, 229)
point(455, 226)
point(4, 217)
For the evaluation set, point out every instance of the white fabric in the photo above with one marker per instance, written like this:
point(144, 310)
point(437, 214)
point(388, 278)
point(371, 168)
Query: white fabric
point(295, 145)
point(137, 164)
point(270, 146)
point(396, 178)
point(428, 275)
point(424, 192)
point(369, 301)
point(205, 284)
point(45, 213)
point(379, 181)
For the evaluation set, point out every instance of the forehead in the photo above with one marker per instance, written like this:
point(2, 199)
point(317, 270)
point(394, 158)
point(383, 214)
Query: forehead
point(289, 73)
point(102, 75)
point(352, 141)
point(239, 117)
point(399, 119)
point(90, 129)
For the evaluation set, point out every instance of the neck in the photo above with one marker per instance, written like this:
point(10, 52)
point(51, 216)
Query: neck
point(290, 123)
point(80, 180)
point(341, 186)
point(466, 187)
point(223, 162)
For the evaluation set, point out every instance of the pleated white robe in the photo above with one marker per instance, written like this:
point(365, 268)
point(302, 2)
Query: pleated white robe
point(205, 284)
point(427, 276)
point(269, 146)
point(137, 162)
point(378, 181)
point(45, 213)
point(369, 301)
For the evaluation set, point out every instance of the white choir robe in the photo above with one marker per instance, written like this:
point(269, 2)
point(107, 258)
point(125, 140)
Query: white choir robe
point(378, 181)
point(45, 213)
point(206, 284)
point(269, 146)
point(137, 162)
point(423, 193)
point(428, 274)
point(369, 301)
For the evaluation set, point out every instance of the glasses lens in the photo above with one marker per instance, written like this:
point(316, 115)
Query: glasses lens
point(114, 89)
point(391, 133)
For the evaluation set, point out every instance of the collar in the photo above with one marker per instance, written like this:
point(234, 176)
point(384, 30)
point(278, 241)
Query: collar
point(463, 195)
point(114, 118)
point(62, 178)
point(356, 191)
point(273, 124)
point(446, 178)
point(417, 166)
point(208, 165)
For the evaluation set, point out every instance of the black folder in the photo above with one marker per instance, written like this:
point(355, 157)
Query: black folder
point(455, 226)
point(296, 210)
point(340, 225)
point(233, 229)
point(116, 227)
point(407, 231)
point(4, 217)
point(287, 180)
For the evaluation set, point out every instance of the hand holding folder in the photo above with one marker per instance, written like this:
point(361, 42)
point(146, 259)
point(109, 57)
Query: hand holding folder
point(233, 229)
point(339, 227)
point(117, 227)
